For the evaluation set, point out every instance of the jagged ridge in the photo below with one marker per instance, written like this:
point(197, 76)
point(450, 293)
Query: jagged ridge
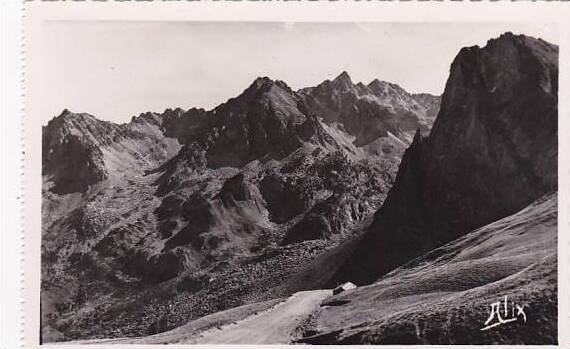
point(183, 197)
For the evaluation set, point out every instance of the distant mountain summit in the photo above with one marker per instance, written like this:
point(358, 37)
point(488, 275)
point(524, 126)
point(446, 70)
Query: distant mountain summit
point(70, 151)
point(78, 150)
point(379, 109)
point(267, 120)
point(492, 151)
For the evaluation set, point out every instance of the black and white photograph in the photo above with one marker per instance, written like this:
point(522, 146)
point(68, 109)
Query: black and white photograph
point(283, 182)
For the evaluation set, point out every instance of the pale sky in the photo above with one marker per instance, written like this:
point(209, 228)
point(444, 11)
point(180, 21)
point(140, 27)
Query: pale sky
point(115, 70)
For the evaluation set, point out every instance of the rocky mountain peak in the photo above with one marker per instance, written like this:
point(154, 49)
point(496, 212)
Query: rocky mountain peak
point(150, 118)
point(343, 81)
point(71, 153)
point(267, 119)
point(264, 84)
point(261, 82)
point(385, 88)
point(77, 148)
point(508, 37)
point(83, 126)
point(506, 61)
point(68, 118)
point(343, 77)
point(261, 90)
point(65, 112)
point(373, 111)
point(492, 151)
point(377, 84)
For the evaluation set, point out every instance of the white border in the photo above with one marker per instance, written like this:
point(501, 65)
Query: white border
point(538, 12)
point(11, 105)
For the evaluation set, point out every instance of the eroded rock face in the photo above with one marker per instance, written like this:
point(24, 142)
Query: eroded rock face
point(492, 151)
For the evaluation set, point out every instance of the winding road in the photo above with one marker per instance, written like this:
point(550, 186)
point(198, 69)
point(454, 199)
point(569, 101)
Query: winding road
point(274, 326)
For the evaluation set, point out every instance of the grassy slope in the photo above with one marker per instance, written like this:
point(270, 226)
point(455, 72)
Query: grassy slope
point(445, 295)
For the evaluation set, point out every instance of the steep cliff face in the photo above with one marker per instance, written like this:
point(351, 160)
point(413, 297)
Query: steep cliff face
point(492, 151)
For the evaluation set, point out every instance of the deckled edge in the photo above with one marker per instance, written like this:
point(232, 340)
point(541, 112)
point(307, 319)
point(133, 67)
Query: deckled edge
point(22, 172)
point(11, 174)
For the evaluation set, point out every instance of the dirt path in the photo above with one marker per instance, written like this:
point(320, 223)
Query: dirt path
point(274, 326)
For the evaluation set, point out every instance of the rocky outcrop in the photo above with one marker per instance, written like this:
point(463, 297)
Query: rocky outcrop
point(328, 219)
point(236, 189)
point(492, 151)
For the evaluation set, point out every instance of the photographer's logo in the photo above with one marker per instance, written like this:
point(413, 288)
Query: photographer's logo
point(503, 313)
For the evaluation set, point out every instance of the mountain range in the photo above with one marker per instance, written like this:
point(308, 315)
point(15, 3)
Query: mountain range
point(174, 216)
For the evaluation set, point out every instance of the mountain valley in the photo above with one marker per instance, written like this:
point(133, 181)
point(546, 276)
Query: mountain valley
point(165, 228)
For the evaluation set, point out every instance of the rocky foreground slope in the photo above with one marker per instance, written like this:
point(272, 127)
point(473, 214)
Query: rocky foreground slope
point(173, 216)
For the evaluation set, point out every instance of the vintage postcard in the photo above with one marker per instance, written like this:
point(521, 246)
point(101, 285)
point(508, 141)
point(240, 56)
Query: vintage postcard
point(203, 173)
